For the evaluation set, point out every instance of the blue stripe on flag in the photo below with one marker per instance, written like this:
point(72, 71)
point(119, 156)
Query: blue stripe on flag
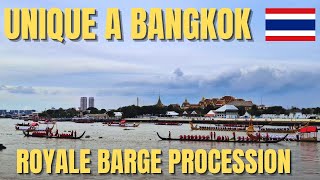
point(290, 25)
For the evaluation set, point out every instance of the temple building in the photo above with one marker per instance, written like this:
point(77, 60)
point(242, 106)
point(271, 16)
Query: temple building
point(187, 105)
point(242, 103)
point(159, 103)
point(218, 102)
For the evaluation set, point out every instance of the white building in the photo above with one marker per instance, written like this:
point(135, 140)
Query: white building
point(83, 103)
point(297, 115)
point(117, 114)
point(91, 102)
point(172, 113)
point(211, 113)
point(227, 111)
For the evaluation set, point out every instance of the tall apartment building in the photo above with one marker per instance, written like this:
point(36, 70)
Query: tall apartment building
point(83, 103)
point(91, 102)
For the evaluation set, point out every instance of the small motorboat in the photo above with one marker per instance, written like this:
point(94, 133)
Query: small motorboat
point(168, 123)
point(122, 123)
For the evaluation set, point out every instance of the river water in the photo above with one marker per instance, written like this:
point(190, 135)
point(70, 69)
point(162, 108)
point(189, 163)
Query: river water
point(305, 160)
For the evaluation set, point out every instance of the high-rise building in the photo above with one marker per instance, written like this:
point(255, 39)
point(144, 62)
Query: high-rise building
point(83, 103)
point(3, 112)
point(91, 102)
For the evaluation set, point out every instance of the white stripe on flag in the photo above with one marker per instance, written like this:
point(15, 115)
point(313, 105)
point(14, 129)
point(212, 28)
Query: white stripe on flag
point(290, 33)
point(290, 16)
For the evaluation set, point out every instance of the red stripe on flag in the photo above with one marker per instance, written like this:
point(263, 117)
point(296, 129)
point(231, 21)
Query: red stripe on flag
point(290, 10)
point(290, 38)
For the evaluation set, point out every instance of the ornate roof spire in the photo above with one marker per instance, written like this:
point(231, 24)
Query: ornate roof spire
point(159, 103)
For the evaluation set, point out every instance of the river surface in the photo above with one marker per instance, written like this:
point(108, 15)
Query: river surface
point(305, 160)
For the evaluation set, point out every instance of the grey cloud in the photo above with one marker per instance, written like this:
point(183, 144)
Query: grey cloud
point(178, 72)
point(18, 89)
point(254, 79)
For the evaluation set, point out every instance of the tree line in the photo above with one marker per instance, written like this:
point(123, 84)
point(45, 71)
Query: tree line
point(135, 111)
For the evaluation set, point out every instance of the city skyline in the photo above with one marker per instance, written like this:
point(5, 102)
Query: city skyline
point(85, 103)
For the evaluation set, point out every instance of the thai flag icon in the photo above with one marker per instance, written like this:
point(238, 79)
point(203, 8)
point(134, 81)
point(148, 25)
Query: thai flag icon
point(290, 24)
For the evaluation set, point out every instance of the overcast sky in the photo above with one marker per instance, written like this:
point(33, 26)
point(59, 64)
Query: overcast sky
point(40, 75)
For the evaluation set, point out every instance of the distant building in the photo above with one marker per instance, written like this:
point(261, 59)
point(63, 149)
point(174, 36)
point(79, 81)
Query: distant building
point(17, 112)
point(83, 103)
point(98, 116)
point(218, 102)
point(262, 107)
point(14, 112)
point(172, 113)
point(26, 112)
point(3, 112)
point(91, 102)
point(297, 115)
point(117, 114)
point(176, 106)
point(241, 103)
point(187, 105)
point(227, 111)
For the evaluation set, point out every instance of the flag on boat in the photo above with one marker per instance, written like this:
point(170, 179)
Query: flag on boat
point(290, 24)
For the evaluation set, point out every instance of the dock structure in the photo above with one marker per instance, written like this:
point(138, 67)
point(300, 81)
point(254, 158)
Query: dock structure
point(204, 120)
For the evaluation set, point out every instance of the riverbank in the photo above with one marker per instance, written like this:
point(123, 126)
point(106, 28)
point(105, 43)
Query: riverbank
point(203, 120)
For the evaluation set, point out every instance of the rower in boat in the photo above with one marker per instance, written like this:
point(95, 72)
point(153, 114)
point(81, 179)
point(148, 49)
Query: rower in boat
point(278, 130)
point(216, 128)
point(48, 134)
point(123, 123)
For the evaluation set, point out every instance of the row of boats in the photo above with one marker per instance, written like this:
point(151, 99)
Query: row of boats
point(302, 133)
point(34, 129)
point(305, 133)
point(244, 128)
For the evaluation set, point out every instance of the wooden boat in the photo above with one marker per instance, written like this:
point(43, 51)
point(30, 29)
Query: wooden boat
point(232, 140)
point(130, 125)
point(84, 121)
point(33, 128)
point(217, 128)
point(168, 123)
point(47, 134)
point(292, 130)
point(47, 122)
point(278, 130)
point(235, 125)
point(112, 123)
point(123, 124)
